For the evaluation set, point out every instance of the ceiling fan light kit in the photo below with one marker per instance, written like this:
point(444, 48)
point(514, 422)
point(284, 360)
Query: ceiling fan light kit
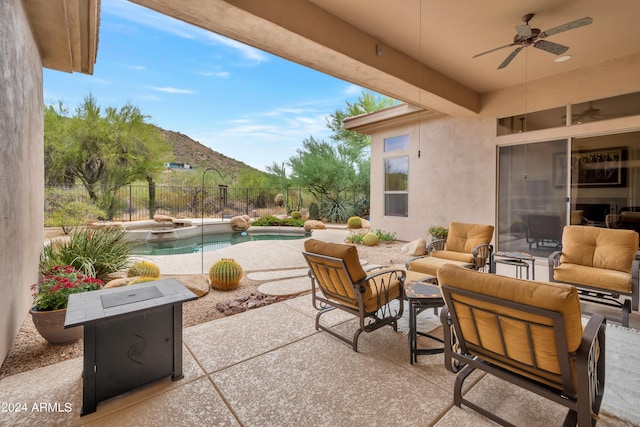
point(527, 36)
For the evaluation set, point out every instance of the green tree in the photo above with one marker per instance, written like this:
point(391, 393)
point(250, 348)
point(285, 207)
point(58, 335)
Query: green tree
point(337, 172)
point(104, 151)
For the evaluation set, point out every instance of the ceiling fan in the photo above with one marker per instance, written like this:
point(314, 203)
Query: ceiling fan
point(591, 113)
point(527, 36)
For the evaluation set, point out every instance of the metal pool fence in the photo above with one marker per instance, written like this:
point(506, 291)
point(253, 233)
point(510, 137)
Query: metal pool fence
point(133, 203)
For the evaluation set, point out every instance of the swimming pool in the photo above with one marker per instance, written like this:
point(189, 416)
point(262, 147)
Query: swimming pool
point(209, 242)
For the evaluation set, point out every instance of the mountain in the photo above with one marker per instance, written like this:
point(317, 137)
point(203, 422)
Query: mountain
point(191, 152)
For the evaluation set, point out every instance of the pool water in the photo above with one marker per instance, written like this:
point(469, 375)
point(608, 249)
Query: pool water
point(209, 242)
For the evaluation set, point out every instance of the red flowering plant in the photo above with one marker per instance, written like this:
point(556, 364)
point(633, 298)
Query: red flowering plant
point(52, 292)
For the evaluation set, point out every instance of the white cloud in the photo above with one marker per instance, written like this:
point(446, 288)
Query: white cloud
point(148, 18)
point(136, 67)
point(221, 74)
point(169, 89)
point(353, 90)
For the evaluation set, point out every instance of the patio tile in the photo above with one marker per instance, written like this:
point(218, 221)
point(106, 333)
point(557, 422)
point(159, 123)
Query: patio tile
point(319, 381)
point(59, 384)
point(304, 305)
point(224, 342)
point(195, 403)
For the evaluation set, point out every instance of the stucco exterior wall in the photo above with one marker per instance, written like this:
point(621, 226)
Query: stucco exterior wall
point(21, 168)
point(452, 180)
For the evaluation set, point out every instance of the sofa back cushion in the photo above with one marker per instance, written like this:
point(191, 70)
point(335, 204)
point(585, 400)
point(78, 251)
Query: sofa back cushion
point(464, 237)
point(610, 249)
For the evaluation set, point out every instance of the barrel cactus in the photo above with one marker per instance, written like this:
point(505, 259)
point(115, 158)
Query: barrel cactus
point(314, 211)
point(354, 222)
point(370, 239)
point(296, 215)
point(225, 274)
point(143, 279)
point(144, 268)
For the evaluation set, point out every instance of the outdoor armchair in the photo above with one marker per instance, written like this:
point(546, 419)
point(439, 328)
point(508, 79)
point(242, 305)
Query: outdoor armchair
point(527, 333)
point(466, 245)
point(339, 281)
point(601, 263)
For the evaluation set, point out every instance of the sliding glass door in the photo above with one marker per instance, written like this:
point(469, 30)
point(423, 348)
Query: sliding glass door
point(532, 196)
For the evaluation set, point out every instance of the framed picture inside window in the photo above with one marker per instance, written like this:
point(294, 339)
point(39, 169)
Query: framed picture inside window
point(592, 168)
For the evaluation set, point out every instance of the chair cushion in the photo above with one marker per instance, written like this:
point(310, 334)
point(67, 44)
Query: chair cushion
point(612, 280)
point(430, 265)
point(465, 257)
point(610, 249)
point(348, 253)
point(550, 296)
point(464, 237)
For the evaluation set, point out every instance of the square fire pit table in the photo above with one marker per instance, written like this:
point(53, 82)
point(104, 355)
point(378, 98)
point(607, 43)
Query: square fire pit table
point(132, 336)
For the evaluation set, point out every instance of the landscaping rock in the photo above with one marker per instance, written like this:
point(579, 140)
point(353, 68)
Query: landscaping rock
point(116, 283)
point(313, 224)
point(240, 223)
point(415, 248)
point(245, 303)
point(162, 218)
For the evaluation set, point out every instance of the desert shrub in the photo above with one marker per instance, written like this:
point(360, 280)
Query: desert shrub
point(270, 220)
point(337, 211)
point(314, 211)
point(383, 236)
point(95, 252)
point(361, 207)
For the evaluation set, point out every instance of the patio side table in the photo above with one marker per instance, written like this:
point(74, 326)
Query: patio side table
point(132, 336)
point(521, 260)
point(421, 296)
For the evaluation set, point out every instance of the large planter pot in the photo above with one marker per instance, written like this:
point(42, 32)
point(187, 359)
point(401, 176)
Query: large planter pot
point(50, 324)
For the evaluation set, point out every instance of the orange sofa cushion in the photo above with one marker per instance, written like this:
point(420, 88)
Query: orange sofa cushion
point(430, 264)
point(464, 237)
point(610, 249)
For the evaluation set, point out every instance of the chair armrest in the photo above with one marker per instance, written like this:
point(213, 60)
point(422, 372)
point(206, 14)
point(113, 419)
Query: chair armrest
point(590, 362)
point(383, 270)
point(554, 261)
point(635, 284)
point(436, 245)
point(482, 255)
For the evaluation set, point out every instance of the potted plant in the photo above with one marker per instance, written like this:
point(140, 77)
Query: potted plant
point(438, 232)
point(51, 296)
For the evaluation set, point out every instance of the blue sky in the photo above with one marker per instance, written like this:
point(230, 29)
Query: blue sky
point(242, 102)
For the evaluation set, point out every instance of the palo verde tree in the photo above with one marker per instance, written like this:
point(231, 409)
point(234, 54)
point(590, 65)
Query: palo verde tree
point(337, 172)
point(103, 150)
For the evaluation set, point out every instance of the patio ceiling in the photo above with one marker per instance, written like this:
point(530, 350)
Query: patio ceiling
point(377, 43)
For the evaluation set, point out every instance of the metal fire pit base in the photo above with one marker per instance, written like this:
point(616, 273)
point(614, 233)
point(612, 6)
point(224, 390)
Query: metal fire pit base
point(132, 336)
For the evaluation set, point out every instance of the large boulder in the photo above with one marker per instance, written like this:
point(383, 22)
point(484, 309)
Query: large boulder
point(313, 224)
point(162, 218)
point(415, 248)
point(240, 223)
point(116, 283)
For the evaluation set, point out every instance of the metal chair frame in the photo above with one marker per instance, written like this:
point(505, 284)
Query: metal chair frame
point(369, 321)
point(583, 400)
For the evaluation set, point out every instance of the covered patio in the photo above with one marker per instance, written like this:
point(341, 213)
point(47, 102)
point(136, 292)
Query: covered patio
point(269, 366)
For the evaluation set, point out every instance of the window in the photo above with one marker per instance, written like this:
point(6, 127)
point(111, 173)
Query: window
point(396, 143)
point(396, 186)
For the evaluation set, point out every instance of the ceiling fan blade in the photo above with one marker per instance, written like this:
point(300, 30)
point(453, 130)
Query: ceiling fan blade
point(523, 30)
point(551, 47)
point(568, 26)
point(492, 50)
point(510, 58)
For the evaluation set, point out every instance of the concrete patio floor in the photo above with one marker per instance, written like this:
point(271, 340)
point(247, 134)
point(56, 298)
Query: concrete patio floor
point(270, 367)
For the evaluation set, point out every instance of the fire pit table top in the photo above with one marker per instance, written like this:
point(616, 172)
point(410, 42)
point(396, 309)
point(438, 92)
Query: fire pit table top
point(86, 307)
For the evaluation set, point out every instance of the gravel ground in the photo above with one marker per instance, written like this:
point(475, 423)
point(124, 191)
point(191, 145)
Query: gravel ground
point(30, 351)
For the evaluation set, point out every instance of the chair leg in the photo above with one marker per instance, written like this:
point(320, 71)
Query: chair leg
point(457, 389)
point(355, 340)
point(626, 310)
